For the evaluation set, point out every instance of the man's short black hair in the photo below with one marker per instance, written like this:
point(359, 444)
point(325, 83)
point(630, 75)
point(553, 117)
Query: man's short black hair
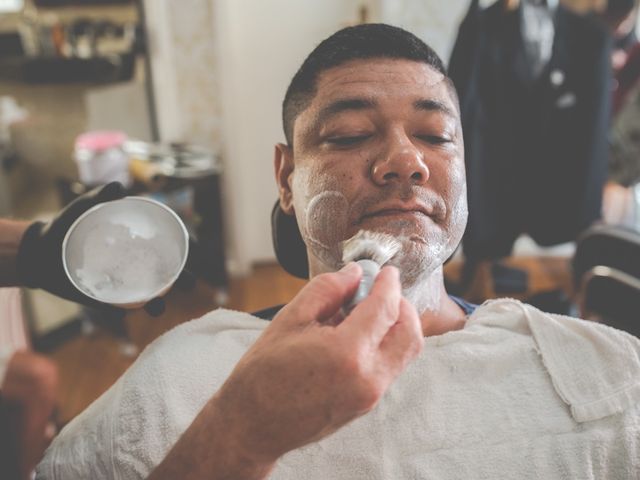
point(373, 40)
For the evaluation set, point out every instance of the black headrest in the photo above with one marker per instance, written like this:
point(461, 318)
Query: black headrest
point(290, 249)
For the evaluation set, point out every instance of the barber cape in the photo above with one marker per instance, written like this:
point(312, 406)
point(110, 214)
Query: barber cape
point(516, 394)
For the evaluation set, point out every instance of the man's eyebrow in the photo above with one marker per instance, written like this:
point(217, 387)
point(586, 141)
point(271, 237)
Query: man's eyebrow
point(431, 105)
point(343, 105)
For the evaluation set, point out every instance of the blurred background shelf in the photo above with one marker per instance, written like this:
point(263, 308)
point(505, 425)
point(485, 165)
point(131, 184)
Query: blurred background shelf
point(100, 70)
point(84, 3)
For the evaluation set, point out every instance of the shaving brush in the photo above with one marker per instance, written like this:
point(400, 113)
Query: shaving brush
point(370, 250)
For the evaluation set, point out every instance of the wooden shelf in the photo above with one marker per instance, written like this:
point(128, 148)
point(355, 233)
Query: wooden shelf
point(112, 69)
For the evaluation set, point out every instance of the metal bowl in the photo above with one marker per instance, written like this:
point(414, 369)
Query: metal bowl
point(125, 252)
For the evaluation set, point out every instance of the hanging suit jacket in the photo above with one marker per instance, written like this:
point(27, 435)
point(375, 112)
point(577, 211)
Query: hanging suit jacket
point(624, 158)
point(535, 148)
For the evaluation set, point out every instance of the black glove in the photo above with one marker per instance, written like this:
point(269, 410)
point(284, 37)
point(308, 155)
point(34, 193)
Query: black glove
point(40, 253)
point(39, 260)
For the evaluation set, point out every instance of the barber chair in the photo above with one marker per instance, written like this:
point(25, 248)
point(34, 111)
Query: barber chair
point(606, 275)
point(288, 245)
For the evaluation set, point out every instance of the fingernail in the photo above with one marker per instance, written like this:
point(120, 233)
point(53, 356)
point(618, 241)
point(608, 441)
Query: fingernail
point(349, 268)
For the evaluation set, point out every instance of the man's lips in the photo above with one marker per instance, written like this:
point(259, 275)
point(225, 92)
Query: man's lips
point(399, 210)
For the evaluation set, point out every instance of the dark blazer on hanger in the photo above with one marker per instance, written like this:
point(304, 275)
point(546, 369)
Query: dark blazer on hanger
point(535, 148)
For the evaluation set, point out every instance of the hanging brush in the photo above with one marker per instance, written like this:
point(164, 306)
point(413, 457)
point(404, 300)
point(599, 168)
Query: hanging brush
point(370, 250)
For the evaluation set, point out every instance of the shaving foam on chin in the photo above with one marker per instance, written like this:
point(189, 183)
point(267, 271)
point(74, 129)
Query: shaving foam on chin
point(370, 250)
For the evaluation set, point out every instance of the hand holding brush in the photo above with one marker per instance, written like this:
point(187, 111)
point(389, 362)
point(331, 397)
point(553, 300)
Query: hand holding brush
point(370, 250)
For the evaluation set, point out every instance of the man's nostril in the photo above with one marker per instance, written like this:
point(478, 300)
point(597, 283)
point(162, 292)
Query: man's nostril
point(416, 176)
point(390, 176)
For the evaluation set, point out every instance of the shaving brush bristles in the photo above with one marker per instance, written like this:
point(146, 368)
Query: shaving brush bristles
point(371, 250)
point(376, 246)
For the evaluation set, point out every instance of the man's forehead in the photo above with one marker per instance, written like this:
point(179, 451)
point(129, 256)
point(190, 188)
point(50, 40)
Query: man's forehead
point(366, 76)
point(380, 83)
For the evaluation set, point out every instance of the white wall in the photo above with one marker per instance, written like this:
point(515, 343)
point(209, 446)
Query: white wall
point(261, 45)
point(182, 46)
point(435, 22)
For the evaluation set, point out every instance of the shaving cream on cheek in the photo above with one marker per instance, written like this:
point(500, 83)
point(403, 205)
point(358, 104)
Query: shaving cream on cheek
point(322, 215)
point(457, 220)
point(326, 219)
point(460, 212)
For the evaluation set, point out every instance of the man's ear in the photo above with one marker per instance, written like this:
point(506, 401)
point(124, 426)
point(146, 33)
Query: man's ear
point(283, 164)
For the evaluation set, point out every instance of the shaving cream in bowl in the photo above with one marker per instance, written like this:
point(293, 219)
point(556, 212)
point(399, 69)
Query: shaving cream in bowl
point(125, 252)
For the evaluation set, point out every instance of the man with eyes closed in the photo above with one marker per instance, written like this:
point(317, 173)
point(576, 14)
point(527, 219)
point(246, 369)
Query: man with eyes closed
point(413, 383)
point(384, 135)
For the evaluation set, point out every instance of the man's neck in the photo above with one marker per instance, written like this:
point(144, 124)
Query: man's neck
point(450, 317)
point(438, 313)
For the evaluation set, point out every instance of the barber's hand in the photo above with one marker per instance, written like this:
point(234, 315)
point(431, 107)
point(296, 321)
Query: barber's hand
point(39, 260)
point(308, 375)
point(40, 253)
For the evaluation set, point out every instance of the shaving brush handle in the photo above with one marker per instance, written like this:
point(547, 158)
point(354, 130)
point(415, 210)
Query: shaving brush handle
point(370, 270)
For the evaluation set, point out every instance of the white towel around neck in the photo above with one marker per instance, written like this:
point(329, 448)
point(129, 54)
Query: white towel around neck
point(515, 394)
point(594, 368)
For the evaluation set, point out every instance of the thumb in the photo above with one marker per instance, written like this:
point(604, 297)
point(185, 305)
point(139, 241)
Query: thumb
point(105, 193)
point(323, 296)
point(377, 313)
point(110, 191)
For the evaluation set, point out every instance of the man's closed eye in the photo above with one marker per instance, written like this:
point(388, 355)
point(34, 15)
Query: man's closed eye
point(348, 141)
point(434, 139)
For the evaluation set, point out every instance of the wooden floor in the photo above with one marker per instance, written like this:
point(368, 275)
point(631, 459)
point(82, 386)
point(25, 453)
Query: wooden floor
point(90, 364)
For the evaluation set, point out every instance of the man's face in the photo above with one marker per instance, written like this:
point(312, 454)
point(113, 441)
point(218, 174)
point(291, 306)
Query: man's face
point(379, 148)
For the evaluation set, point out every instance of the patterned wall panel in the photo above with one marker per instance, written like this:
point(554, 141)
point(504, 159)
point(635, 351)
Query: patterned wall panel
point(196, 76)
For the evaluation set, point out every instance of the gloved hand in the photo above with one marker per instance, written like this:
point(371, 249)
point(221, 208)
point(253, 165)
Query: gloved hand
point(39, 260)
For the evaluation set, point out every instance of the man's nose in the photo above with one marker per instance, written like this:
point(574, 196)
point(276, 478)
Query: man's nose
point(402, 162)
